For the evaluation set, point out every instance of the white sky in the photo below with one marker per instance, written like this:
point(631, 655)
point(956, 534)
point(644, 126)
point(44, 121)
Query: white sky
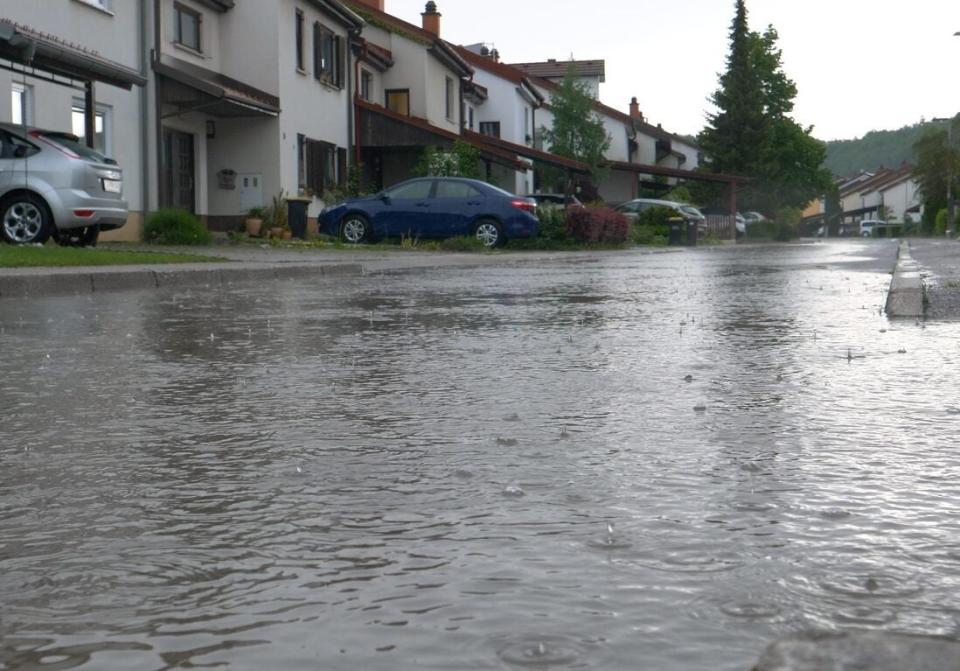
point(859, 65)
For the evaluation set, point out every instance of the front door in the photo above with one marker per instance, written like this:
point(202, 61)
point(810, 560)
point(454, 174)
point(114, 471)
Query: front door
point(179, 171)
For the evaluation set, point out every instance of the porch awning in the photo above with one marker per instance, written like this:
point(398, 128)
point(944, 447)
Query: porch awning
point(526, 152)
point(695, 175)
point(192, 88)
point(30, 48)
point(382, 128)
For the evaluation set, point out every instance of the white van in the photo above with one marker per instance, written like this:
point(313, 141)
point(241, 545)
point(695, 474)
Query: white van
point(867, 226)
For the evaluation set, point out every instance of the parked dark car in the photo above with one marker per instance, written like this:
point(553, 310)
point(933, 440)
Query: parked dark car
point(434, 207)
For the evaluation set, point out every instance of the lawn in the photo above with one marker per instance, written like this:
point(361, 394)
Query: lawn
point(12, 256)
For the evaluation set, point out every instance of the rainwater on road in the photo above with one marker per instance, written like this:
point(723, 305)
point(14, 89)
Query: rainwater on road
point(628, 460)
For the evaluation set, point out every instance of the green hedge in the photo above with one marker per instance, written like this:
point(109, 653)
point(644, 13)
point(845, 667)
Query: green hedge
point(175, 227)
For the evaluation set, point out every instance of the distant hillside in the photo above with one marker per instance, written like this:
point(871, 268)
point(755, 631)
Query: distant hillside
point(880, 147)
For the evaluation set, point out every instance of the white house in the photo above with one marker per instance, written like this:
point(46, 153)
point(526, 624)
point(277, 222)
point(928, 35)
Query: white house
point(222, 69)
point(901, 197)
point(409, 91)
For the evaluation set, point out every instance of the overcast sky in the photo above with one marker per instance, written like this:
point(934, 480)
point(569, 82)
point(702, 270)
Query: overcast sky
point(859, 65)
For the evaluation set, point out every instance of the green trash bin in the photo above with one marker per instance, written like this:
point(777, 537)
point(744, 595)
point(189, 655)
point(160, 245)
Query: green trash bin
point(676, 230)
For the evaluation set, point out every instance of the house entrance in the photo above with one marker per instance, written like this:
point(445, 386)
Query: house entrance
point(179, 172)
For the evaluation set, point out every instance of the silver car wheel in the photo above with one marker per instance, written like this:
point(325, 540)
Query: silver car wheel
point(23, 222)
point(488, 233)
point(354, 229)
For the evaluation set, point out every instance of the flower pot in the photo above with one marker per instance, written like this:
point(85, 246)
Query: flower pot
point(276, 232)
point(287, 234)
point(253, 226)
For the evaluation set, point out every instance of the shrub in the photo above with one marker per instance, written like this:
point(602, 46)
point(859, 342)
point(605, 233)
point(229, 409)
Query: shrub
point(597, 225)
point(553, 223)
point(652, 226)
point(649, 235)
point(175, 227)
point(940, 223)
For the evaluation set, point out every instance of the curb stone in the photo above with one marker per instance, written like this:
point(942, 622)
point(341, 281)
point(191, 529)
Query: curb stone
point(905, 297)
point(87, 281)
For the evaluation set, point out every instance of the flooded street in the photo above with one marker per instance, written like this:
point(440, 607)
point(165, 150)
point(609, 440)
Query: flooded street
point(632, 460)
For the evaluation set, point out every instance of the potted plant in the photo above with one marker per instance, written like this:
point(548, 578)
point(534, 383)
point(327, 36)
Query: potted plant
point(254, 221)
point(279, 208)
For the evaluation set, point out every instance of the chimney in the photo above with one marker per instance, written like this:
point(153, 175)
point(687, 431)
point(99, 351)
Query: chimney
point(635, 112)
point(431, 18)
point(375, 4)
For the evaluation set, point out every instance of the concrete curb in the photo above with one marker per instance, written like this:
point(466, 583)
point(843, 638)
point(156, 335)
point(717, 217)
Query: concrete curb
point(905, 298)
point(72, 282)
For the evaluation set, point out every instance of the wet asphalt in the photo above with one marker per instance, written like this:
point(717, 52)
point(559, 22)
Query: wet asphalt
point(939, 262)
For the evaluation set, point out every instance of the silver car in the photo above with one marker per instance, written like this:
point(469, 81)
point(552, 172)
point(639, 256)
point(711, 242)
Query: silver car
point(52, 185)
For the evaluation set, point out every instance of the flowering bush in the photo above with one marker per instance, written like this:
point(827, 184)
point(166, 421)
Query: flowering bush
point(596, 225)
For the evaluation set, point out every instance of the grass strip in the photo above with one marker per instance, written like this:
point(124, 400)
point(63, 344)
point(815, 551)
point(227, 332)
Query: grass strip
point(52, 256)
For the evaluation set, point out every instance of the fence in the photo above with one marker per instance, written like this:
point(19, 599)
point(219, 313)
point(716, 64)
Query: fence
point(722, 226)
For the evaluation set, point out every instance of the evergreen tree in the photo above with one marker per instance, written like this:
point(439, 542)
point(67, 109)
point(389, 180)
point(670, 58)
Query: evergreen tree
point(752, 133)
point(734, 138)
point(578, 131)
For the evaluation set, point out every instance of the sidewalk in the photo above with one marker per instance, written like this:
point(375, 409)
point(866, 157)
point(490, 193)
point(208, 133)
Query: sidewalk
point(939, 264)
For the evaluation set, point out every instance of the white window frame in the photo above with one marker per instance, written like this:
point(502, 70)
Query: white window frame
point(26, 103)
point(106, 113)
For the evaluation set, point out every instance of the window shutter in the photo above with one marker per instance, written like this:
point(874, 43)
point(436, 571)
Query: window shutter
point(338, 67)
point(317, 47)
point(315, 167)
point(341, 166)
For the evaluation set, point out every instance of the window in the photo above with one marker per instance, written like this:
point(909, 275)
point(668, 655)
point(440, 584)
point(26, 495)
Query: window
point(491, 128)
point(447, 189)
point(398, 100)
point(324, 164)
point(21, 101)
point(470, 117)
point(526, 123)
point(411, 191)
point(299, 34)
point(187, 26)
point(101, 138)
point(448, 98)
point(9, 143)
point(366, 85)
point(327, 56)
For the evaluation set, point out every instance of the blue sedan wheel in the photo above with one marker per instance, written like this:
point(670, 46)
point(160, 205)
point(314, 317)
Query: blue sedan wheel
point(487, 231)
point(354, 228)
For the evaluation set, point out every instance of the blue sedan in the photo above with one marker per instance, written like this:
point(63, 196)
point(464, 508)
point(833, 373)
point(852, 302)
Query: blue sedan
point(434, 207)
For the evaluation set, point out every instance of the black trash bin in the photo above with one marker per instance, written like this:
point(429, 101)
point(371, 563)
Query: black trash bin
point(297, 216)
point(693, 232)
point(676, 230)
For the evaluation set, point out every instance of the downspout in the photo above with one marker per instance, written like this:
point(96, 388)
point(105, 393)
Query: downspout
point(350, 106)
point(356, 108)
point(157, 111)
point(144, 114)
